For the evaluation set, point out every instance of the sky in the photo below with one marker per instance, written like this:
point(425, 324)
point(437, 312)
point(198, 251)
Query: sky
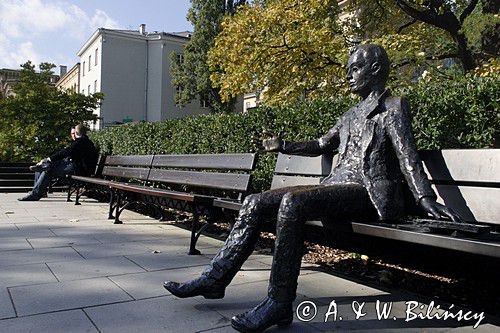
point(54, 30)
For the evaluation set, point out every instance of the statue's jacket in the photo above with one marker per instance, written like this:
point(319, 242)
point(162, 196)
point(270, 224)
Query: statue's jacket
point(388, 158)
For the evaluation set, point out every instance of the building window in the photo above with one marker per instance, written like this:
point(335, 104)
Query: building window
point(95, 57)
point(180, 58)
point(83, 91)
point(95, 86)
point(83, 69)
point(90, 62)
point(88, 90)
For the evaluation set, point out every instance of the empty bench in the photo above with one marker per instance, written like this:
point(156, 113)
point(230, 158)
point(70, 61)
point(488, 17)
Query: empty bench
point(186, 182)
point(468, 181)
point(118, 168)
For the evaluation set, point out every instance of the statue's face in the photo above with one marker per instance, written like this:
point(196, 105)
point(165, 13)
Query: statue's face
point(361, 73)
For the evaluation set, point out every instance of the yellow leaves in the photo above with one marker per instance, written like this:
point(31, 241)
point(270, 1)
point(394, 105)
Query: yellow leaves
point(288, 47)
point(490, 68)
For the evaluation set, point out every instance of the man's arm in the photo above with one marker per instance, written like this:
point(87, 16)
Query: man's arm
point(317, 147)
point(399, 129)
point(63, 153)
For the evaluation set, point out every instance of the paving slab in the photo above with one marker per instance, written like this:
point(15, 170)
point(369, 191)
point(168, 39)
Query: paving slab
point(23, 257)
point(78, 270)
point(164, 314)
point(6, 308)
point(74, 321)
point(325, 287)
point(22, 275)
point(396, 321)
point(294, 327)
point(94, 251)
point(178, 245)
point(66, 295)
point(11, 243)
point(159, 261)
point(60, 241)
point(150, 284)
point(81, 231)
point(23, 234)
point(7, 227)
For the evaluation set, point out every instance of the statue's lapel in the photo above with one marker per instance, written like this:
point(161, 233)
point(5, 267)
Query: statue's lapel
point(370, 105)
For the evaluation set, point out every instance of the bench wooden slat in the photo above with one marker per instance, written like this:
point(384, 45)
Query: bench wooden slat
point(227, 204)
point(472, 203)
point(153, 191)
point(129, 160)
point(280, 181)
point(125, 172)
point(452, 243)
point(226, 181)
point(98, 181)
point(466, 165)
point(206, 161)
point(303, 165)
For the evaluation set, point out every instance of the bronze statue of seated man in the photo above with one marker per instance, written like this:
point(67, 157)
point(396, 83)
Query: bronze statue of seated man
point(376, 153)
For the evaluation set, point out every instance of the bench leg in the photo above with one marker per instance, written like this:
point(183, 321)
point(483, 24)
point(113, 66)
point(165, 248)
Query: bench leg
point(192, 246)
point(77, 196)
point(117, 208)
point(111, 201)
point(68, 198)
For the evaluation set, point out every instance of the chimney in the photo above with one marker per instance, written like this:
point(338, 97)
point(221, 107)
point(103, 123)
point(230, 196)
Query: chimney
point(63, 70)
point(142, 29)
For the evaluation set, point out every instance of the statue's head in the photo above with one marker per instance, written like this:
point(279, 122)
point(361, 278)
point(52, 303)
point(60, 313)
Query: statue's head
point(367, 69)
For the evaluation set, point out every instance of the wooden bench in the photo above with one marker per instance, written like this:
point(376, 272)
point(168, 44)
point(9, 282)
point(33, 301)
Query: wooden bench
point(467, 181)
point(119, 168)
point(186, 182)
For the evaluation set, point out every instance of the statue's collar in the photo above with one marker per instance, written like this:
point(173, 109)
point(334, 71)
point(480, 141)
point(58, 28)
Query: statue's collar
point(368, 106)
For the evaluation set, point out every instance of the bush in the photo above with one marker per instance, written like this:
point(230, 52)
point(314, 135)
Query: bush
point(452, 114)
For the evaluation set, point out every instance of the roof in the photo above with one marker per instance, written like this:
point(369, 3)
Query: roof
point(182, 36)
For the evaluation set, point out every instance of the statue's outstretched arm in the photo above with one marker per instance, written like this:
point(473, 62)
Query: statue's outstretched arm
point(324, 144)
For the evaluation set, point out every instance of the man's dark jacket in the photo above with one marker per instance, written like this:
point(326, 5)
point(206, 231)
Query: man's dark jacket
point(83, 154)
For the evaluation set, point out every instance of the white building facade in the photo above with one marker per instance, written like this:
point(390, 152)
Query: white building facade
point(131, 68)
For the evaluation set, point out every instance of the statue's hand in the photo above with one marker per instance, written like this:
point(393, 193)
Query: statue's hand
point(270, 143)
point(437, 210)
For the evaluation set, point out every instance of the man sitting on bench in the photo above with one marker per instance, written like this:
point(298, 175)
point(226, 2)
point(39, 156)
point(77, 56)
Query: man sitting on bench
point(376, 152)
point(79, 158)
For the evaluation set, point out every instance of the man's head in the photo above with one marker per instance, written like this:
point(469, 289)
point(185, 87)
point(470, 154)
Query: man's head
point(80, 130)
point(73, 137)
point(367, 69)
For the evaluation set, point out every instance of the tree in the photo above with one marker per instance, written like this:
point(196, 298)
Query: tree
point(293, 48)
point(36, 121)
point(444, 28)
point(190, 72)
point(290, 48)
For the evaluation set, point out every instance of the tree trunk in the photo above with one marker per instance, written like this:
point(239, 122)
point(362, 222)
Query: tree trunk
point(466, 57)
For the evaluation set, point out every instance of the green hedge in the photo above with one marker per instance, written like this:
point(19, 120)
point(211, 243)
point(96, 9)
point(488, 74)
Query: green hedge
point(453, 114)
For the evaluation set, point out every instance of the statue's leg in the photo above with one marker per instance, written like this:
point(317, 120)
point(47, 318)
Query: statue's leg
point(255, 211)
point(337, 202)
point(237, 248)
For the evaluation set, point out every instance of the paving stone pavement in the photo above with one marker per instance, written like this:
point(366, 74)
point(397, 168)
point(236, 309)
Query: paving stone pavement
point(66, 268)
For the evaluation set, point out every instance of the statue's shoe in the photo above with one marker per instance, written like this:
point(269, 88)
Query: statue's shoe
point(202, 286)
point(268, 313)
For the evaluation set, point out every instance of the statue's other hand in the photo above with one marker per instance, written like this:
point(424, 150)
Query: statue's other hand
point(270, 143)
point(437, 210)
